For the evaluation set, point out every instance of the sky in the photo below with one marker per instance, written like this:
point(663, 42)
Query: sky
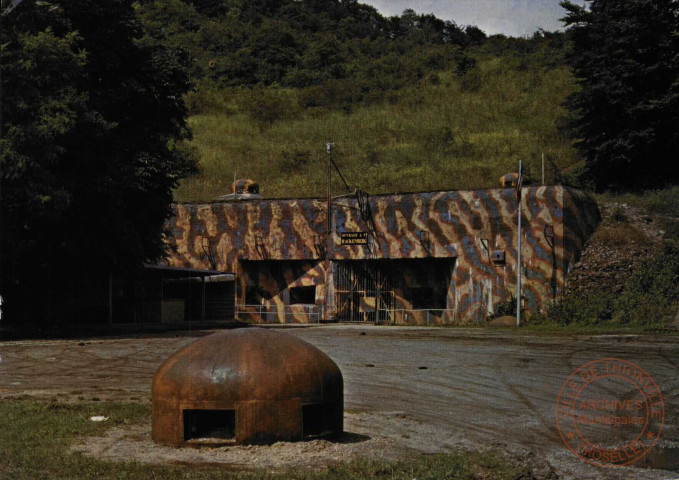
point(510, 17)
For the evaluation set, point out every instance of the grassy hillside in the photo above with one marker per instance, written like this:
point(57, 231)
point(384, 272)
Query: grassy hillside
point(450, 132)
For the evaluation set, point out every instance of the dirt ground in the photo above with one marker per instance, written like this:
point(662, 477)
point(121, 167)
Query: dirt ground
point(425, 390)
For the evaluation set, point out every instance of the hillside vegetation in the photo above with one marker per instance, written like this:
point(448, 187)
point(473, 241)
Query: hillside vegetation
point(628, 273)
point(453, 129)
point(411, 102)
point(414, 103)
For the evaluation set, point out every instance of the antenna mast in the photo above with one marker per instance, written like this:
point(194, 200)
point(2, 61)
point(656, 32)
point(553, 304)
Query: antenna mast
point(328, 237)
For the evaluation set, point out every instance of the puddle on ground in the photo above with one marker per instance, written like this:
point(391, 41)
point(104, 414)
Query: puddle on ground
point(661, 459)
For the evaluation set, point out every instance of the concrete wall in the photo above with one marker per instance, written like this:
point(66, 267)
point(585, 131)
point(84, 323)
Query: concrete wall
point(282, 244)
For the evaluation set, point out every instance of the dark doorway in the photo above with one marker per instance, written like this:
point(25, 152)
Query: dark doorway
point(423, 298)
point(363, 291)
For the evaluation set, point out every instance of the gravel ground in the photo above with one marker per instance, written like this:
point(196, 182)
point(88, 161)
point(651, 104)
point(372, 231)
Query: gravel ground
point(406, 390)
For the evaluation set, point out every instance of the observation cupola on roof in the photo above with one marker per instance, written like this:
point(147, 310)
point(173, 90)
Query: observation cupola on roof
point(242, 189)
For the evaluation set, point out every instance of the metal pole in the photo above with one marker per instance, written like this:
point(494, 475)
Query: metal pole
point(518, 253)
point(328, 240)
point(543, 168)
point(236, 279)
point(202, 306)
point(328, 151)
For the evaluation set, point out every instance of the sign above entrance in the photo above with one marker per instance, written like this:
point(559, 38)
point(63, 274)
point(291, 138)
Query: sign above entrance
point(354, 238)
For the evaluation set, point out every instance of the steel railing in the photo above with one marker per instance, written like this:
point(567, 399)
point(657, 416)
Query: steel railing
point(278, 313)
point(430, 316)
point(313, 314)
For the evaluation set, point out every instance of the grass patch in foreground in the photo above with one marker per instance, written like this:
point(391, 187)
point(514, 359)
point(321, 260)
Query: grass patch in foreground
point(602, 329)
point(34, 440)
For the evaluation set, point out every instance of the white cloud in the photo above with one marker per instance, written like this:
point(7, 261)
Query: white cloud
point(511, 17)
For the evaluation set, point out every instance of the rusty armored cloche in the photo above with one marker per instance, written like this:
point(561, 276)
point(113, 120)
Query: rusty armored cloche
point(509, 180)
point(243, 189)
point(245, 186)
point(249, 385)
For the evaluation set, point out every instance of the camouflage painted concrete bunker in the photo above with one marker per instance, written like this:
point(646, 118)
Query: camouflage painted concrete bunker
point(415, 258)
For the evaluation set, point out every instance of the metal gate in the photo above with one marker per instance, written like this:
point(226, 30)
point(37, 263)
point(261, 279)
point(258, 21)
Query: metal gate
point(363, 291)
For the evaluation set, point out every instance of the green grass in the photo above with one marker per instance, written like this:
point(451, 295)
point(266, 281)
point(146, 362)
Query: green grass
point(34, 440)
point(598, 329)
point(429, 137)
point(663, 201)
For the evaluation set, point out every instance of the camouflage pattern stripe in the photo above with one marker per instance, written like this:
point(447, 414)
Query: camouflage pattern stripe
point(282, 244)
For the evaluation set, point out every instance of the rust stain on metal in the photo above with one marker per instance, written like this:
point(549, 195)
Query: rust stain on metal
point(247, 386)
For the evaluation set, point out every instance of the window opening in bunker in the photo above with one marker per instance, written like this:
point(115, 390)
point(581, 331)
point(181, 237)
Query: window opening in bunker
point(209, 424)
point(312, 420)
point(304, 295)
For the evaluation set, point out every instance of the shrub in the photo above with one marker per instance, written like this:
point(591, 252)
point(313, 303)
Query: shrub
point(619, 215)
point(663, 201)
point(582, 308)
point(207, 98)
point(440, 138)
point(471, 82)
point(619, 234)
point(434, 79)
point(650, 297)
point(464, 64)
point(651, 294)
point(671, 227)
point(265, 106)
point(293, 159)
point(575, 175)
point(505, 308)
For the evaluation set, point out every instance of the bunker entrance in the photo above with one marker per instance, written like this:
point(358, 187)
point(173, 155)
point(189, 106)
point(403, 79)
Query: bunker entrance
point(200, 424)
point(364, 291)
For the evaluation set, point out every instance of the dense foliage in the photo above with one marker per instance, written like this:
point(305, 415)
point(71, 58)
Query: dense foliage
point(650, 296)
point(625, 54)
point(340, 52)
point(458, 128)
point(412, 102)
point(241, 42)
point(93, 125)
point(94, 121)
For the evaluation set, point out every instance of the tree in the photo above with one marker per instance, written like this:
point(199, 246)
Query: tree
point(93, 129)
point(475, 34)
point(625, 55)
point(265, 106)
